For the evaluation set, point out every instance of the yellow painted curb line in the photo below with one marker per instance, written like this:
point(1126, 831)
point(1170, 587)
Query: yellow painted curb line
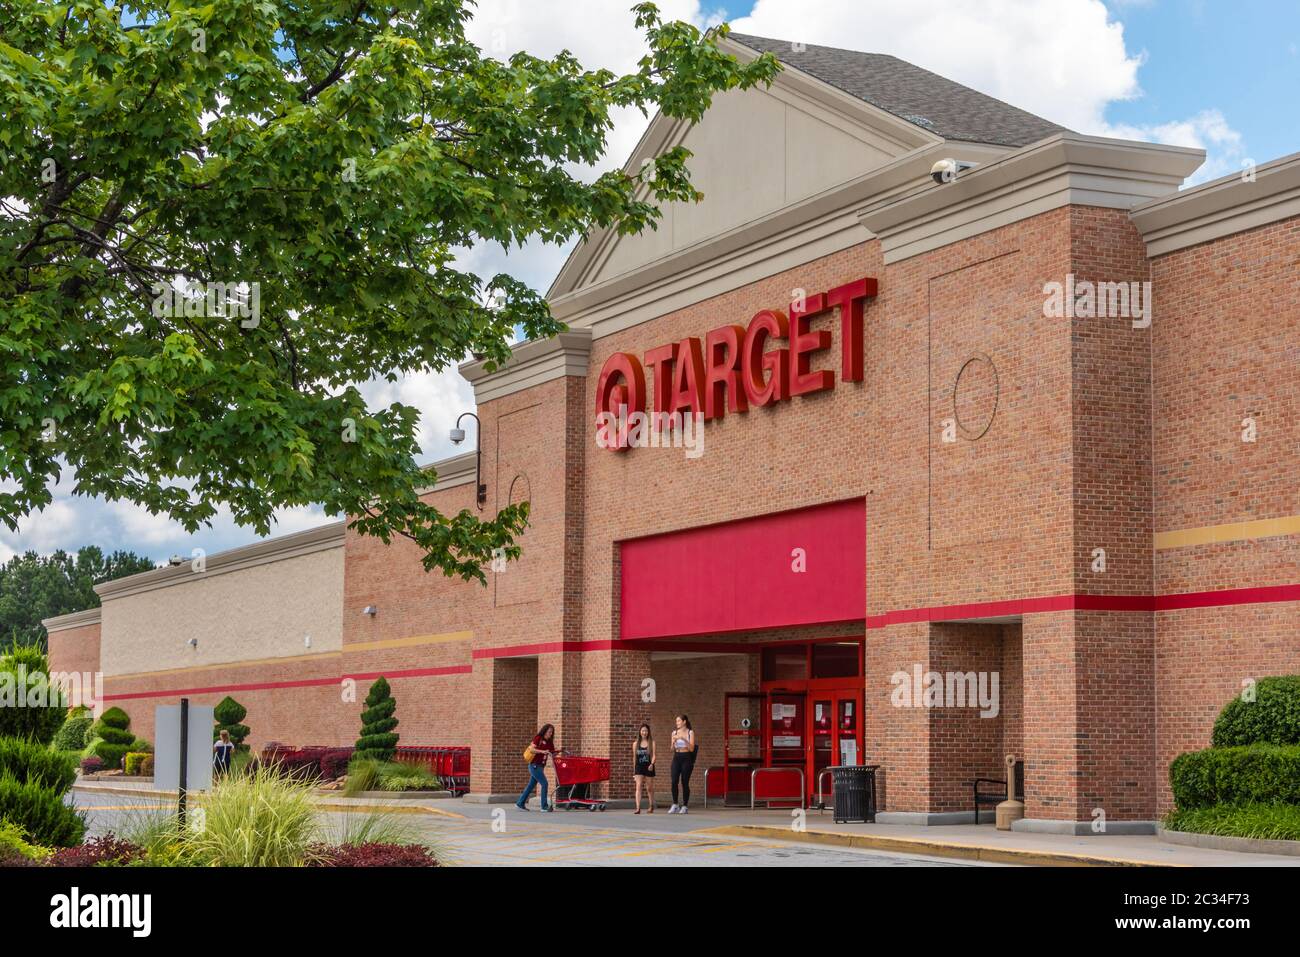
point(931, 848)
point(328, 805)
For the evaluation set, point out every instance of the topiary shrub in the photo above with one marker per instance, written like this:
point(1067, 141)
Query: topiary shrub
point(76, 729)
point(1262, 773)
point(1272, 718)
point(28, 761)
point(228, 714)
point(40, 812)
point(378, 742)
point(29, 706)
point(113, 728)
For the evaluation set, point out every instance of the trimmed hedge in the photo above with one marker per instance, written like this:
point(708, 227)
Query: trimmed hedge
point(113, 728)
point(1272, 718)
point(228, 714)
point(378, 738)
point(1258, 773)
point(74, 733)
point(40, 812)
point(139, 763)
point(44, 708)
point(28, 761)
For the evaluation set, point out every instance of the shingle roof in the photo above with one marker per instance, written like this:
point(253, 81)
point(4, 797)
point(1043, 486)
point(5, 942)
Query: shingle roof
point(918, 96)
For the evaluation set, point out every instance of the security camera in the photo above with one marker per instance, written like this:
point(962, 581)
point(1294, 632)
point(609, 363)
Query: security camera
point(457, 436)
point(947, 170)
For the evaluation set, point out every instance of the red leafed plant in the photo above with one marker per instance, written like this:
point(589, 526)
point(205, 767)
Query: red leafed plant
point(98, 850)
point(372, 855)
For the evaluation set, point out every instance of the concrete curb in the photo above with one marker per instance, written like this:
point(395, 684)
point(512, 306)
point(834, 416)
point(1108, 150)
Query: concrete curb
point(334, 804)
point(1222, 842)
point(931, 848)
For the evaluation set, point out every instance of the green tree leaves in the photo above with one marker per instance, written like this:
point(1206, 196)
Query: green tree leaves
point(35, 587)
point(333, 156)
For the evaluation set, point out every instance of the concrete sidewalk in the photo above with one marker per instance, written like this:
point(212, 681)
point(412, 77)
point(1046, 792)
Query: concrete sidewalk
point(972, 842)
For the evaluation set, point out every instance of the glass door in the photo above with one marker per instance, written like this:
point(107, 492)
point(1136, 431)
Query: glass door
point(848, 729)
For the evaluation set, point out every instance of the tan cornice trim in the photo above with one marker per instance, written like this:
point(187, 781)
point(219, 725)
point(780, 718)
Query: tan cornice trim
point(74, 619)
point(1063, 169)
point(450, 472)
point(268, 550)
point(1221, 207)
point(532, 363)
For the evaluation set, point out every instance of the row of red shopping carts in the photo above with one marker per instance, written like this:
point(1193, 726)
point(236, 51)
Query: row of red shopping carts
point(450, 764)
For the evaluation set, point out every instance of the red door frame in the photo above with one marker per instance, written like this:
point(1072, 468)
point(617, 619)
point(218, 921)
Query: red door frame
point(831, 690)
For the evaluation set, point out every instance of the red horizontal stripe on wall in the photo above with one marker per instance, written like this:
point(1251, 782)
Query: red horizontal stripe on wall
point(270, 685)
point(1228, 596)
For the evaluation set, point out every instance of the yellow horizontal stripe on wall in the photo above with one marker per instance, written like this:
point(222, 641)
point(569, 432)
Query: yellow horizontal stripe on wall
point(252, 662)
point(445, 637)
point(1233, 532)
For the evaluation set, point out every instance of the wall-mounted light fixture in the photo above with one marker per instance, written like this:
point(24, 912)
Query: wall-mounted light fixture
point(457, 436)
point(306, 641)
point(370, 610)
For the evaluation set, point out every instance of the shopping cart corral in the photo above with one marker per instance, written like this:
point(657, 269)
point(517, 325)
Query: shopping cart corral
point(574, 776)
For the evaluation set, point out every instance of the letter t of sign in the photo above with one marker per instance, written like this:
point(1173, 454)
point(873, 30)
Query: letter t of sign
point(850, 298)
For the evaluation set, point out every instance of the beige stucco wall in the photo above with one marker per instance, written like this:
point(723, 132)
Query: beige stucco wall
point(756, 151)
point(262, 611)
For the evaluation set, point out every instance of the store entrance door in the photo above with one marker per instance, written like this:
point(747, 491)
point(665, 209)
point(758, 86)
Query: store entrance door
point(813, 708)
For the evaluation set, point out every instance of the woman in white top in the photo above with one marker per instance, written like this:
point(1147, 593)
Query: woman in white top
point(685, 747)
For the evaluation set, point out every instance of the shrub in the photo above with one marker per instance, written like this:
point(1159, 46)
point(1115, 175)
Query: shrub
point(1265, 822)
point(139, 763)
point(1272, 718)
point(1263, 773)
point(106, 851)
point(141, 746)
point(228, 714)
point(113, 728)
point(378, 741)
point(367, 774)
point(28, 761)
point(92, 764)
point(372, 855)
point(259, 819)
point(40, 812)
point(334, 763)
point(72, 736)
point(43, 708)
point(13, 843)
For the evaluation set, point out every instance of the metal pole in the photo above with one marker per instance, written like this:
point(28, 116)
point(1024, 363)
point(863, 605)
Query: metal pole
point(185, 738)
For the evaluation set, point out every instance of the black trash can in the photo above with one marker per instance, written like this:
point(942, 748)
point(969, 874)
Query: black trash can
point(854, 793)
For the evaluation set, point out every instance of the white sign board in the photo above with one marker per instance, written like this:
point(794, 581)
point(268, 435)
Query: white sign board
point(167, 747)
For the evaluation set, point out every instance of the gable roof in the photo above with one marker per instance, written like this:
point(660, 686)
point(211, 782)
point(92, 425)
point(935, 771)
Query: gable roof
point(925, 99)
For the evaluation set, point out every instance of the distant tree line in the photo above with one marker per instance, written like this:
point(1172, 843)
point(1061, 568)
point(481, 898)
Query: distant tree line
point(34, 587)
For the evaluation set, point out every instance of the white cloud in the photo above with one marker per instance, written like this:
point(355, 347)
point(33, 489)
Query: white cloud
point(1066, 61)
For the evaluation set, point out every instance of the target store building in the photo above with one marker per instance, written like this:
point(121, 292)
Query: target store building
point(913, 470)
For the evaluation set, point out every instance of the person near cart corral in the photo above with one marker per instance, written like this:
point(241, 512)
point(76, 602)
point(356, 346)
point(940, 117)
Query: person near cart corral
point(535, 754)
point(223, 750)
point(643, 767)
point(685, 748)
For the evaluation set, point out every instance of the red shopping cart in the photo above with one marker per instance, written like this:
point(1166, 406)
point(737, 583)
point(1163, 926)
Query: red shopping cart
point(574, 777)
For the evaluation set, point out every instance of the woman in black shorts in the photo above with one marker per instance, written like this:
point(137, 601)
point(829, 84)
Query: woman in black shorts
point(643, 764)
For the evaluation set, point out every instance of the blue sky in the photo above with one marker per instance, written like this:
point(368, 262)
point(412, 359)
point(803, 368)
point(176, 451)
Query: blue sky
point(1208, 73)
